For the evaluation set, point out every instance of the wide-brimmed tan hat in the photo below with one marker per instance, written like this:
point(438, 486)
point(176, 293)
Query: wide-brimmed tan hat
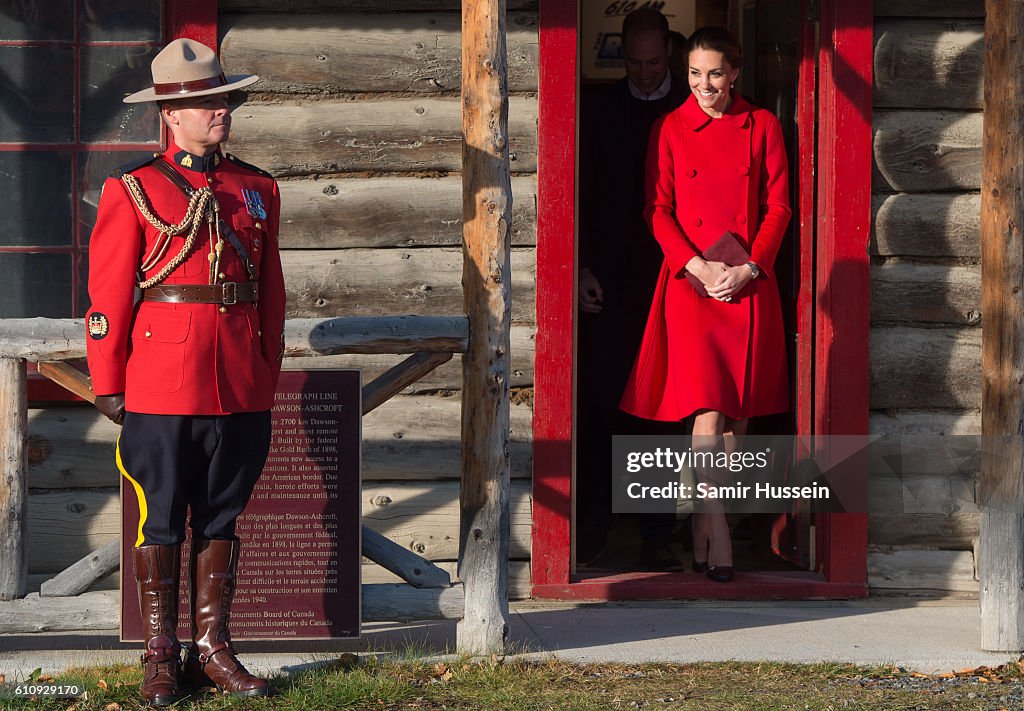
point(187, 68)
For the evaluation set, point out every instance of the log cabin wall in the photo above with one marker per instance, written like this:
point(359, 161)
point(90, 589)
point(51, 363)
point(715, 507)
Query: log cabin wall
point(926, 274)
point(358, 117)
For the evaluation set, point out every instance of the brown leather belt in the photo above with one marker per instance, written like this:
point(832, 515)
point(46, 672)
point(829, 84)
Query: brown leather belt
point(227, 293)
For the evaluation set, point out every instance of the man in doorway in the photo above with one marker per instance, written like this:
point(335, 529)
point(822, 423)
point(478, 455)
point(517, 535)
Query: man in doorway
point(618, 267)
point(185, 341)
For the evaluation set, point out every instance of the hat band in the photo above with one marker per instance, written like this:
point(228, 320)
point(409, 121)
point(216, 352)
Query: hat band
point(188, 86)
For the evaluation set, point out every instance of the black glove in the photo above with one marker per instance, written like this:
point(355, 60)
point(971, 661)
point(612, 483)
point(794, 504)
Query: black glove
point(112, 406)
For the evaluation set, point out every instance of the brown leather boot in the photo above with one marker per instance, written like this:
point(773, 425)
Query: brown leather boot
point(211, 660)
point(157, 569)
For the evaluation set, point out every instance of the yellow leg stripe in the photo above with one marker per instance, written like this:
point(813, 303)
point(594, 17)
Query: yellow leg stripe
point(139, 493)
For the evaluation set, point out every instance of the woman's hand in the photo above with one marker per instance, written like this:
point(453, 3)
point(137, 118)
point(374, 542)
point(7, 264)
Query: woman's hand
point(730, 282)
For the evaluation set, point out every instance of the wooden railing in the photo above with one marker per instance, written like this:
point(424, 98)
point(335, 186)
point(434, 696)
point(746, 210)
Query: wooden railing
point(429, 341)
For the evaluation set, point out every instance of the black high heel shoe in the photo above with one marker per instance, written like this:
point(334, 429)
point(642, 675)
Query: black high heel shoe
point(721, 573)
point(701, 566)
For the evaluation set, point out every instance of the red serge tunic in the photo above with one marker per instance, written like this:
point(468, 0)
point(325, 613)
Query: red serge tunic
point(706, 176)
point(180, 358)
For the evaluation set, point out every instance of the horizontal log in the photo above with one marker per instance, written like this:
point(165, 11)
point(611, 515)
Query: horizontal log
point(927, 151)
point(447, 377)
point(953, 531)
point(929, 64)
point(926, 293)
point(390, 212)
point(920, 8)
point(925, 368)
point(97, 610)
point(380, 282)
point(925, 225)
point(65, 526)
point(38, 339)
point(386, 135)
point(420, 438)
point(81, 576)
point(395, 602)
point(518, 576)
point(407, 438)
point(93, 611)
point(925, 422)
point(424, 517)
point(916, 569)
point(313, 54)
point(373, 6)
point(391, 334)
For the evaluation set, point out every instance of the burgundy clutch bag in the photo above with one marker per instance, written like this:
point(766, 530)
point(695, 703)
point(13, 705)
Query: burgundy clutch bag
point(726, 249)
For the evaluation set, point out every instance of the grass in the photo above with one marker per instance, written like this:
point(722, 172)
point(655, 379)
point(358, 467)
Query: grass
point(402, 683)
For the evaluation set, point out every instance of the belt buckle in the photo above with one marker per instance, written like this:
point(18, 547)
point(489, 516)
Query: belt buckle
point(230, 295)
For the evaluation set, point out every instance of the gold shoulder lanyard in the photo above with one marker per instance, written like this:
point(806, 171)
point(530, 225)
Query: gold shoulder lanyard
point(202, 207)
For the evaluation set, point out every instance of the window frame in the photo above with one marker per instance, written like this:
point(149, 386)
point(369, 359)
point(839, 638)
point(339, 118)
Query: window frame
point(195, 19)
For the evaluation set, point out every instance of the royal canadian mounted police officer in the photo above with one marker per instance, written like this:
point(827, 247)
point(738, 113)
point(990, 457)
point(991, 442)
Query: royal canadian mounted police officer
point(185, 346)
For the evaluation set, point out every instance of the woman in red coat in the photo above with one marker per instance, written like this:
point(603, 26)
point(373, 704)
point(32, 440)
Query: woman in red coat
point(716, 164)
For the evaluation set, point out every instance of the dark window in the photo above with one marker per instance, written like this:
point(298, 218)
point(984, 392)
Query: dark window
point(65, 65)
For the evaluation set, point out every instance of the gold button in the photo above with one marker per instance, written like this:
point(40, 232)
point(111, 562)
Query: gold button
point(223, 309)
point(148, 334)
point(258, 225)
point(259, 334)
point(221, 275)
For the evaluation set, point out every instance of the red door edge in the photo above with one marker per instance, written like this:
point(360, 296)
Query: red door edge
point(843, 288)
point(556, 229)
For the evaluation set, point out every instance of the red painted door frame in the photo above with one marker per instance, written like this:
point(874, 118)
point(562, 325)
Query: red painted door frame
point(834, 394)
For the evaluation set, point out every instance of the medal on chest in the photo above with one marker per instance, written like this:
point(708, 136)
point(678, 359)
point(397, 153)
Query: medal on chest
point(254, 204)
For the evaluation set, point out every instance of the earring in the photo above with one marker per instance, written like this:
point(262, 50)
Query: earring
point(733, 85)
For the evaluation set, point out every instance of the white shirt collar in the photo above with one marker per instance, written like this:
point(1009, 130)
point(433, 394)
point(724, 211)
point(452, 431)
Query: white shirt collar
point(660, 93)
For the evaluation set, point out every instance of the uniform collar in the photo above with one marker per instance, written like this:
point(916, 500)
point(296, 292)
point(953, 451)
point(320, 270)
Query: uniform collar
point(737, 114)
point(190, 161)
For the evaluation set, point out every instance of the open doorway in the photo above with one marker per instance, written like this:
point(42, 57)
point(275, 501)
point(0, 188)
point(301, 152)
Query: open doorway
point(772, 33)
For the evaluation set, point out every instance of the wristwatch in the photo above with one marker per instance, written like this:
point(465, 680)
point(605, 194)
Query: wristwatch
point(754, 269)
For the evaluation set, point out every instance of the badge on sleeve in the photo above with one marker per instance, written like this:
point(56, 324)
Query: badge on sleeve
point(254, 204)
point(99, 326)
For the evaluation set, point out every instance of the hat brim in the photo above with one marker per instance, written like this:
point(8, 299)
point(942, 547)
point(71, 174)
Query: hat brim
point(233, 82)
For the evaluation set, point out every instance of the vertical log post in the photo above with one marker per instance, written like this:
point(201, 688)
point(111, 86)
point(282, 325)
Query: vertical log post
point(14, 463)
point(486, 280)
point(1001, 550)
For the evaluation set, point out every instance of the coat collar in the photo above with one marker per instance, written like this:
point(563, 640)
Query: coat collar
point(191, 161)
point(694, 118)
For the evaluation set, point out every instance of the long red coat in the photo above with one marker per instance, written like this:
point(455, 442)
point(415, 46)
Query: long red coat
point(706, 176)
point(185, 359)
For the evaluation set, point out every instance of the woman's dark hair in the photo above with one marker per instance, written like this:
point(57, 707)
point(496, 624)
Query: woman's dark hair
point(717, 39)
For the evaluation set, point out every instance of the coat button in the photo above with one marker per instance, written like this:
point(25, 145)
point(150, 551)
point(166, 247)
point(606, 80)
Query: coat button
point(149, 334)
point(223, 309)
point(210, 181)
point(744, 170)
point(692, 173)
point(258, 225)
point(697, 222)
point(741, 219)
point(259, 334)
